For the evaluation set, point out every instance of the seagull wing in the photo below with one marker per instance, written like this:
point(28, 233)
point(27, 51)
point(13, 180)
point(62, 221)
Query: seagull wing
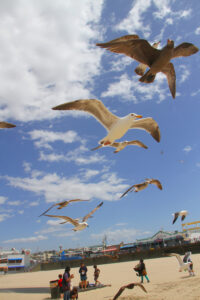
point(6, 125)
point(68, 219)
point(47, 210)
point(127, 191)
point(93, 211)
point(169, 71)
point(96, 148)
point(125, 38)
point(178, 258)
point(119, 292)
point(137, 49)
point(183, 217)
point(94, 107)
point(156, 182)
point(175, 217)
point(150, 125)
point(185, 49)
point(141, 186)
point(137, 143)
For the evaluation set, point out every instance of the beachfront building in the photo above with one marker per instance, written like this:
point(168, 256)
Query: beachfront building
point(159, 240)
point(14, 261)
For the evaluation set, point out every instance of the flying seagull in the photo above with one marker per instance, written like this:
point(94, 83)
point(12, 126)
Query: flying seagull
point(158, 60)
point(115, 125)
point(129, 286)
point(141, 186)
point(121, 145)
point(182, 213)
point(62, 204)
point(183, 266)
point(77, 224)
point(6, 125)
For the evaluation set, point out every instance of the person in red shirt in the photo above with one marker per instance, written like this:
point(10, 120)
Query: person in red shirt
point(60, 284)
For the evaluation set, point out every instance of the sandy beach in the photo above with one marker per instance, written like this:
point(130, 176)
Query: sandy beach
point(166, 282)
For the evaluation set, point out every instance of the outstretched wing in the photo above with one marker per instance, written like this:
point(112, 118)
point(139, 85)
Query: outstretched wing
point(6, 125)
point(141, 286)
point(93, 211)
point(124, 38)
point(137, 143)
point(119, 292)
point(150, 125)
point(156, 182)
point(185, 49)
point(68, 219)
point(175, 217)
point(183, 217)
point(177, 257)
point(92, 106)
point(48, 209)
point(169, 71)
point(137, 49)
point(127, 191)
point(96, 148)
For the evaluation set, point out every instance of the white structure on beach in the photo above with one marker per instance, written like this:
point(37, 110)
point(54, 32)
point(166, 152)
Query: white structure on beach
point(14, 261)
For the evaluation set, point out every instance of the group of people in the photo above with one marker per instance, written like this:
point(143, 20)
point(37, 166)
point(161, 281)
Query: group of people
point(64, 281)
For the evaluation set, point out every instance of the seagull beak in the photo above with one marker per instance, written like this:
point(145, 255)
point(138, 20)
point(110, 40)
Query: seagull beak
point(138, 116)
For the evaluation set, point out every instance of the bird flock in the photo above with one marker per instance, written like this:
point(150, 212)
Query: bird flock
point(156, 60)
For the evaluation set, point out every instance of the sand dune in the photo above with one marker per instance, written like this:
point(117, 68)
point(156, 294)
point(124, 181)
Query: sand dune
point(166, 282)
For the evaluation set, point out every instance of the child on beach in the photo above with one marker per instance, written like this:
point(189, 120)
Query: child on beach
point(74, 293)
point(60, 284)
point(83, 276)
point(96, 275)
point(141, 269)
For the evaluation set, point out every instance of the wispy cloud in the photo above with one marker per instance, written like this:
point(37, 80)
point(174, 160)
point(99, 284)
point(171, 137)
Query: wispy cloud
point(57, 188)
point(4, 217)
point(43, 138)
point(187, 149)
point(26, 239)
point(15, 203)
point(185, 73)
point(118, 235)
point(197, 31)
point(3, 199)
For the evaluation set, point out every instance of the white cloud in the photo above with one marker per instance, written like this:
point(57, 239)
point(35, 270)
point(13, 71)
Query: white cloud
point(42, 61)
point(21, 211)
point(57, 188)
point(27, 166)
point(26, 240)
point(15, 203)
point(184, 72)
point(34, 203)
point(77, 155)
point(197, 31)
point(3, 199)
point(118, 235)
point(43, 138)
point(4, 217)
point(187, 149)
point(121, 224)
point(135, 21)
point(129, 88)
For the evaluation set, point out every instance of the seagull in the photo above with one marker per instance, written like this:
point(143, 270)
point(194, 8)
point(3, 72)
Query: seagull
point(141, 68)
point(77, 224)
point(183, 266)
point(62, 204)
point(115, 125)
point(182, 213)
point(121, 145)
point(142, 186)
point(129, 286)
point(158, 60)
point(6, 125)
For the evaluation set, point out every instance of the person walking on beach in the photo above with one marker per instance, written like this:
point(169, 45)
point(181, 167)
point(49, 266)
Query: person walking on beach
point(187, 259)
point(141, 269)
point(83, 275)
point(66, 283)
point(96, 275)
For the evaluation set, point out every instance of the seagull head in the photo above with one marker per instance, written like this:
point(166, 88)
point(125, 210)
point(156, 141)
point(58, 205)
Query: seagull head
point(170, 43)
point(134, 116)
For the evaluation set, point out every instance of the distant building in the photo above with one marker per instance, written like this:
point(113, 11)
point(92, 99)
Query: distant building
point(14, 261)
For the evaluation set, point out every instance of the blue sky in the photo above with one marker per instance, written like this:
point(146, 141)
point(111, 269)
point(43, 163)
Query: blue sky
point(48, 56)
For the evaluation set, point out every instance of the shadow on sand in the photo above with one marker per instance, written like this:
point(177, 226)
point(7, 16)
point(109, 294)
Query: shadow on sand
point(31, 290)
